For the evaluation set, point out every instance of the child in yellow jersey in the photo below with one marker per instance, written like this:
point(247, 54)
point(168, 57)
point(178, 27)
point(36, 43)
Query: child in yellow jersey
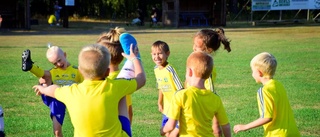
point(168, 81)
point(111, 41)
point(276, 115)
point(195, 107)
point(63, 74)
point(93, 104)
point(209, 41)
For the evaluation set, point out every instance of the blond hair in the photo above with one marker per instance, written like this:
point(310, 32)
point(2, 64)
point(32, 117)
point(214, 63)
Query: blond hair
point(111, 41)
point(94, 61)
point(54, 51)
point(201, 63)
point(112, 36)
point(266, 63)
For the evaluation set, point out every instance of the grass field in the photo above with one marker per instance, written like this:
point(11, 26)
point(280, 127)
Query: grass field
point(296, 48)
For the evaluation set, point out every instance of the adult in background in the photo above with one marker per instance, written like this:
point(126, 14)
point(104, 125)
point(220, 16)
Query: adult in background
point(155, 15)
point(57, 9)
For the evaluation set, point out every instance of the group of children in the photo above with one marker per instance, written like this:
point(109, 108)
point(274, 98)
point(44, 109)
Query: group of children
point(99, 103)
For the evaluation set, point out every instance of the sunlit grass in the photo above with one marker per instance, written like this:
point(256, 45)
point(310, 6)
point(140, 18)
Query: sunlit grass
point(296, 49)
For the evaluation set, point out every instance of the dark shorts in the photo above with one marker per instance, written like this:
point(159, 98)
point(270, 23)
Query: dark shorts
point(57, 108)
point(125, 122)
point(165, 120)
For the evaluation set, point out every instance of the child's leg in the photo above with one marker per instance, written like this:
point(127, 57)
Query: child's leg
point(129, 105)
point(174, 132)
point(27, 64)
point(123, 116)
point(57, 127)
point(57, 109)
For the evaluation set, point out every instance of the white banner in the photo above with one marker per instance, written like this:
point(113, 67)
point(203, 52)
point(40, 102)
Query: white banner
point(262, 5)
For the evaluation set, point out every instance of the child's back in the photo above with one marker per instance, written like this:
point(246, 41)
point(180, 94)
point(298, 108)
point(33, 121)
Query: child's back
point(199, 107)
point(278, 108)
point(196, 107)
point(100, 103)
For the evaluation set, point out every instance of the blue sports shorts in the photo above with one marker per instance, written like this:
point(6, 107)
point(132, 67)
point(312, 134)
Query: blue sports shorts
point(57, 108)
point(125, 122)
point(165, 120)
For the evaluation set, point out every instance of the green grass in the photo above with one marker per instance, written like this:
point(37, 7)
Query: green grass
point(296, 49)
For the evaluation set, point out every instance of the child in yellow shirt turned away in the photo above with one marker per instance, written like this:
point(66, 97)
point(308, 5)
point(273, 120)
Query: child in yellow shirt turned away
point(93, 104)
point(276, 115)
point(195, 107)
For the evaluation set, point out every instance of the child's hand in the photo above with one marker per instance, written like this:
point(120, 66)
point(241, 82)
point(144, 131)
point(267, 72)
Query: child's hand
point(160, 108)
point(238, 128)
point(133, 53)
point(37, 89)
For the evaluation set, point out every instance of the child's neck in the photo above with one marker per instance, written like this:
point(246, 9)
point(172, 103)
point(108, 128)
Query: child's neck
point(197, 82)
point(163, 65)
point(113, 68)
point(264, 80)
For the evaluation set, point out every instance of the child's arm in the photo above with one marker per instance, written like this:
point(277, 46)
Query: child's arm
point(160, 101)
point(138, 68)
point(226, 130)
point(256, 123)
point(170, 125)
point(48, 91)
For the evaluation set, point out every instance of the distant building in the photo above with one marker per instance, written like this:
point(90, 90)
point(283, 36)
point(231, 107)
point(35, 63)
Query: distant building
point(180, 13)
point(14, 15)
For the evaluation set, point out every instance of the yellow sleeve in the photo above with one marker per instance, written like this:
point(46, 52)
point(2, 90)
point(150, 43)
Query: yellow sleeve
point(222, 115)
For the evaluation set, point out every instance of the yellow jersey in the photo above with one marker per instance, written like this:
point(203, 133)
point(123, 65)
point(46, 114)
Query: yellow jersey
point(209, 83)
point(273, 103)
point(66, 77)
point(113, 75)
point(195, 109)
point(91, 102)
point(168, 82)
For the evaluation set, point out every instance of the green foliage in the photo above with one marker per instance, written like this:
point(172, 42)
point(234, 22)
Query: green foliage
point(296, 49)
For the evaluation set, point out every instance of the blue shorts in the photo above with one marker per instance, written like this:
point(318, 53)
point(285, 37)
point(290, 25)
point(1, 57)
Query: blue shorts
point(165, 120)
point(57, 108)
point(126, 127)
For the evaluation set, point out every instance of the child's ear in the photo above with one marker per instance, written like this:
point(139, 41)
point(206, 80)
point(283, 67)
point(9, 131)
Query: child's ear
point(189, 72)
point(260, 73)
point(168, 53)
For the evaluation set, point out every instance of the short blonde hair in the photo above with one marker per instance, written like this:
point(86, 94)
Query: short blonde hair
point(266, 63)
point(94, 60)
point(201, 63)
point(54, 50)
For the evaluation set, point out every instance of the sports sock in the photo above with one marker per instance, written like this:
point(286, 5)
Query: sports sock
point(37, 71)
